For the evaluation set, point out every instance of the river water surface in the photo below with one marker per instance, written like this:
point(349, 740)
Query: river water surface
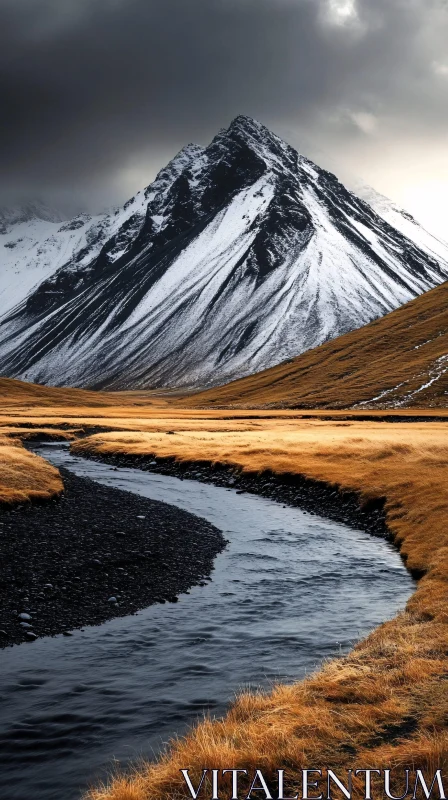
point(289, 590)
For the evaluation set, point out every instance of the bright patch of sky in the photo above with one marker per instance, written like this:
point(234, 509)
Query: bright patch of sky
point(342, 12)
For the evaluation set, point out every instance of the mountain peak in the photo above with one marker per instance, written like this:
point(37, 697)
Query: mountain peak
point(238, 256)
point(250, 129)
point(244, 122)
point(275, 152)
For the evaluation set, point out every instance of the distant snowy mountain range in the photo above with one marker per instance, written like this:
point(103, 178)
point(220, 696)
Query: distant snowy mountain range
point(239, 256)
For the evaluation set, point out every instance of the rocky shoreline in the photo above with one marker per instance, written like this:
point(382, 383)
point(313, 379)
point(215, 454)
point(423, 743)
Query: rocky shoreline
point(314, 497)
point(93, 554)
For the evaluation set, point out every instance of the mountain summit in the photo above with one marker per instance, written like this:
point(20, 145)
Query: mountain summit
point(239, 256)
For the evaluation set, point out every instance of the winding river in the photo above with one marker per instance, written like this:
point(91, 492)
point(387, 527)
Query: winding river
point(290, 590)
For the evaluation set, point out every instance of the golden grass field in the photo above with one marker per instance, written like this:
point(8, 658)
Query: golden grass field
point(383, 705)
point(392, 359)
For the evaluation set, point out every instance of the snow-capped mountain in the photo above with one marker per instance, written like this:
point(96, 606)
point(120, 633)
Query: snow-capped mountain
point(240, 255)
point(403, 221)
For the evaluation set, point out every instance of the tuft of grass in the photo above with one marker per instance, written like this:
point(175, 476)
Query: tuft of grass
point(25, 476)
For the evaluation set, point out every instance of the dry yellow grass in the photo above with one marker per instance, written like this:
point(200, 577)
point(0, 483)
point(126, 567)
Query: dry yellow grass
point(30, 406)
point(386, 703)
point(157, 418)
point(402, 357)
point(24, 476)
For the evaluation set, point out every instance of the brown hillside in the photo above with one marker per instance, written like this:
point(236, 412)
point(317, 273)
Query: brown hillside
point(19, 393)
point(400, 360)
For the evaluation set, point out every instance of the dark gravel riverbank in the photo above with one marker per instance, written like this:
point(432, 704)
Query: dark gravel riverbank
point(93, 554)
point(314, 497)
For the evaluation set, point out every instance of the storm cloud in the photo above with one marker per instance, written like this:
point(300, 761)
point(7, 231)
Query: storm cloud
point(98, 94)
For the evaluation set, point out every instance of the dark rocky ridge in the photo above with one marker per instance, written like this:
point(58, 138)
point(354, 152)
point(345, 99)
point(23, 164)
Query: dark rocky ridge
point(62, 560)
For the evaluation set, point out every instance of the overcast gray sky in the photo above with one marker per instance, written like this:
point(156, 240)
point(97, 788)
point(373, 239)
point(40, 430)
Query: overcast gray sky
point(97, 95)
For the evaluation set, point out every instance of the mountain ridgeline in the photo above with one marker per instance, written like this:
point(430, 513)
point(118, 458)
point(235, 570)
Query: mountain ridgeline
point(239, 256)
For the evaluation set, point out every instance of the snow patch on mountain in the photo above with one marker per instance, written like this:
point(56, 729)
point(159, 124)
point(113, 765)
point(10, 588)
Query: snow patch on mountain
point(403, 221)
point(31, 251)
point(210, 258)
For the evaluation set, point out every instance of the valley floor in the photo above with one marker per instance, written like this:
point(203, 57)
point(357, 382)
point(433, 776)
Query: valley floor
point(386, 703)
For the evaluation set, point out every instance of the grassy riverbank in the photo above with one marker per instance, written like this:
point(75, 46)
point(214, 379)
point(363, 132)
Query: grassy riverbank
point(24, 476)
point(386, 703)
